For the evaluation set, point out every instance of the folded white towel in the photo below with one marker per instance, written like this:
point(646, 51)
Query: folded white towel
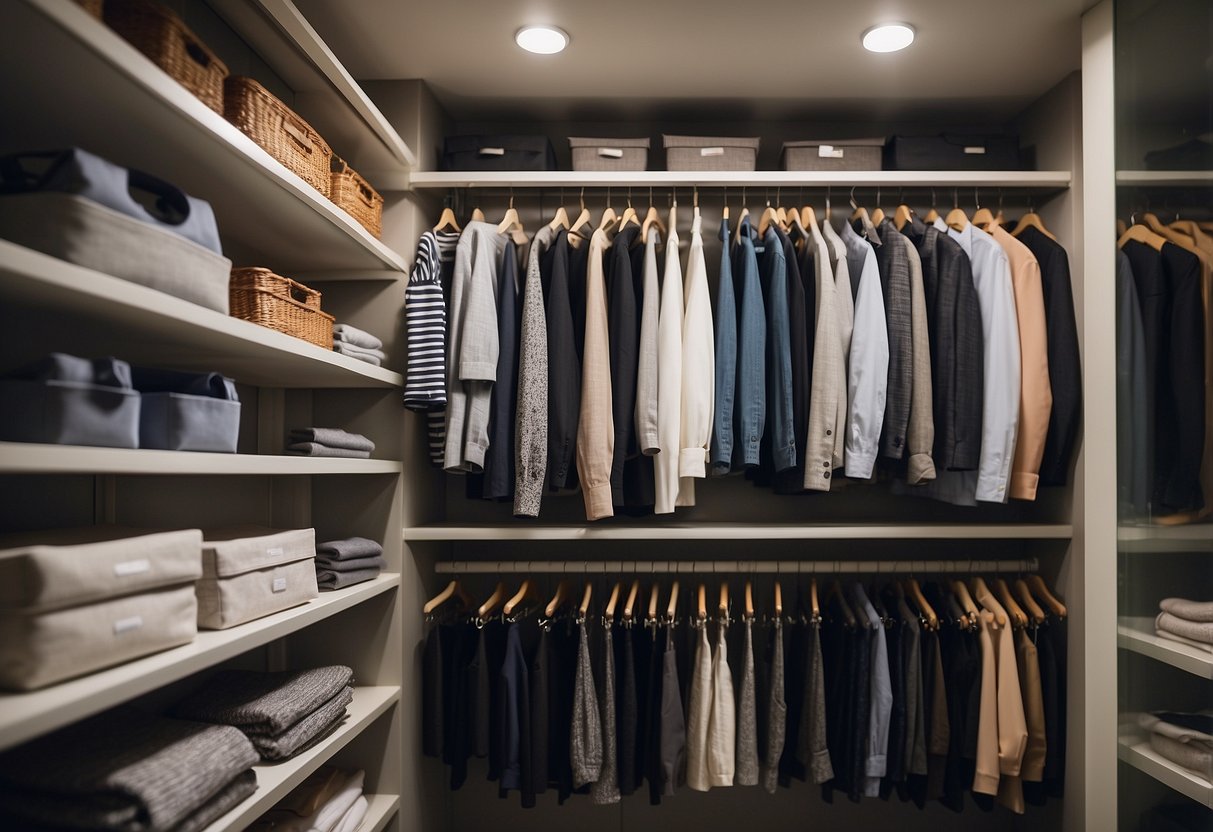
point(1190, 610)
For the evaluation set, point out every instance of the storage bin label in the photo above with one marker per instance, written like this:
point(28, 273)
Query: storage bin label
point(828, 151)
point(492, 151)
point(611, 152)
point(131, 567)
point(125, 625)
point(274, 552)
point(279, 585)
point(975, 150)
point(711, 151)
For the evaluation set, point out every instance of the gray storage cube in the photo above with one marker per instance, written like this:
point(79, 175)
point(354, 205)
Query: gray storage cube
point(849, 154)
point(709, 153)
point(498, 152)
point(68, 413)
point(609, 154)
point(181, 422)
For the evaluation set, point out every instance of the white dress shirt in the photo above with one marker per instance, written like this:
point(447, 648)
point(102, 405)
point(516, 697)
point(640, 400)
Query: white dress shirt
point(868, 367)
point(669, 378)
point(698, 369)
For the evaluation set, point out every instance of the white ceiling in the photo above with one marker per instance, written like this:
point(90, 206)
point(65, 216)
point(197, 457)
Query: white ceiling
point(777, 55)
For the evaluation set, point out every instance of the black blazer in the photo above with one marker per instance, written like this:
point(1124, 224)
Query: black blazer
point(564, 363)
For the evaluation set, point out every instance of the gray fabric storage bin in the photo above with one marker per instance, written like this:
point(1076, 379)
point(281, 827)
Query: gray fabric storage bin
point(609, 154)
point(181, 422)
point(80, 231)
point(76, 601)
point(710, 153)
point(68, 413)
point(250, 571)
point(849, 154)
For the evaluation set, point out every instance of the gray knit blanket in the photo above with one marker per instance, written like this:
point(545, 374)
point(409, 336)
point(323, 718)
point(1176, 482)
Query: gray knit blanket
point(328, 580)
point(264, 704)
point(306, 732)
point(352, 565)
point(348, 549)
point(125, 770)
point(316, 449)
point(333, 438)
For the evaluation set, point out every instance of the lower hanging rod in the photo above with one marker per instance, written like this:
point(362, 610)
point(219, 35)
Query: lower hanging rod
point(774, 567)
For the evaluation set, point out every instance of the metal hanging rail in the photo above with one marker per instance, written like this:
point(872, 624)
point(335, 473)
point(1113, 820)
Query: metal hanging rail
point(742, 567)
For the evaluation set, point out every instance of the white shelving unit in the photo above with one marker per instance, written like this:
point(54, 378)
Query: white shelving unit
point(739, 531)
point(115, 102)
point(1136, 751)
point(1137, 634)
point(31, 458)
point(1178, 178)
point(150, 327)
point(26, 715)
point(275, 782)
point(1036, 180)
point(1197, 537)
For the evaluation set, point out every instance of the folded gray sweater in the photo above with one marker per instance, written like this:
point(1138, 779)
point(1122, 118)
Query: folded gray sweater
point(316, 449)
point(348, 549)
point(358, 352)
point(351, 565)
point(356, 337)
point(1201, 631)
point(1189, 610)
point(306, 731)
point(233, 794)
point(333, 438)
point(264, 704)
point(125, 770)
point(328, 580)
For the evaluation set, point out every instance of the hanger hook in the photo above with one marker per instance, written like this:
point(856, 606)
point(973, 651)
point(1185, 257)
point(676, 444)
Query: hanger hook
point(955, 197)
point(854, 206)
point(976, 199)
point(827, 202)
point(932, 197)
point(583, 198)
point(695, 195)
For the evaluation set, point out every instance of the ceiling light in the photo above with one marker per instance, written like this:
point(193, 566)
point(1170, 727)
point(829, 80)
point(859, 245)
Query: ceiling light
point(888, 37)
point(542, 40)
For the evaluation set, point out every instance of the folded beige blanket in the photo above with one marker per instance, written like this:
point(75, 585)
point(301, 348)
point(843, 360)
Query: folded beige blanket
point(1190, 610)
point(1201, 631)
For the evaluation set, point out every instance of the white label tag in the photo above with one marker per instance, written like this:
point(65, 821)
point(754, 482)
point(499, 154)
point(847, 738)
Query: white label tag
point(125, 625)
point(131, 567)
point(279, 585)
point(274, 552)
point(492, 151)
point(610, 152)
point(975, 150)
point(711, 151)
point(828, 151)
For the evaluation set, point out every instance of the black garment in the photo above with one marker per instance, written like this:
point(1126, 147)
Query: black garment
point(639, 487)
point(623, 329)
point(796, 682)
point(561, 643)
point(791, 480)
point(433, 699)
point(955, 334)
point(673, 730)
point(860, 654)
point(498, 474)
point(540, 684)
point(514, 718)
point(962, 674)
point(649, 654)
point(484, 673)
point(564, 364)
point(1065, 369)
point(579, 260)
point(929, 786)
point(1055, 751)
point(458, 678)
point(896, 762)
point(627, 709)
point(839, 705)
point(894, 267)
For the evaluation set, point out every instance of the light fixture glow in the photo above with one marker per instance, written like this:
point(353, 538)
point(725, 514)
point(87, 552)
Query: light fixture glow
point(542, 40)
point(888, 37)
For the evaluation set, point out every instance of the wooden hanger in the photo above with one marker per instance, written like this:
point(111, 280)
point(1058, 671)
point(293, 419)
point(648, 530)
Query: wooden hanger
point(966, 602)
point(987, 600)
point(703, 603)
point(749, 598)
point(957, 219)
point(878, 216)
point(769, 216)
point(609, 218)
point(510, 222)
point(781, 217)
point(901, 216)
point(453, 590)
point(724, 597)
point(1025, 596)
point(814, 605)
point(488, 606)
point(778, 599)
point(1018, 617)
point(609, 613)
point(652, 218)
point(525, 592)
point(672, 609)
point(983, 217)
point(629, 216)
point(920, 601)
point(585, 599)
point(1041, 591)
point(652, 616)
point(630, 604)
point(447, 220)
point(477, 215)
point(1141, 234)
point(1121, 228)
point(561, 220)
point(1032, 220)
point(836, 592)
point(558, 600)
point(583, 219)
point(741, 218)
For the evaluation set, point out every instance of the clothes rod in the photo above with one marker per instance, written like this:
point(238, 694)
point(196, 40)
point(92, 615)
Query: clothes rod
point(773, 567)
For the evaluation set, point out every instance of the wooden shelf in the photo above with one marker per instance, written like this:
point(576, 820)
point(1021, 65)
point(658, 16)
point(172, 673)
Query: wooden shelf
point(1178, 178)
point(326, 95)
point(1137, 634)
point(276, 781)
point(380, 810)
point(97, 91)
point(1037, 180)
point(148, 327)
point(31, 458)
point(1197, 537)
point(26, 715)
point(1135, 750)
point(739, 531)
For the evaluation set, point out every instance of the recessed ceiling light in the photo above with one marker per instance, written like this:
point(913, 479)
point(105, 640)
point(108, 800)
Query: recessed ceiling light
point(542, 40)
point(888, 37)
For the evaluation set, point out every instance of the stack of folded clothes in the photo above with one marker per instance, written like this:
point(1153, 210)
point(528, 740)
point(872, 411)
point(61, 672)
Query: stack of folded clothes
point(352, 341)
point(282, 713)
point(329, 442)
point(127, 770)
point(331, 800)
point(1190, 622)
point(1184, 739)
point(342, 563)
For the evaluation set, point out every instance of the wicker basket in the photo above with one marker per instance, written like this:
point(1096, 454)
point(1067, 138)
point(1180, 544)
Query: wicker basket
point(281, 304)
point(273, 125)
point(355, 196)
point(160, 35)
point(93, 7)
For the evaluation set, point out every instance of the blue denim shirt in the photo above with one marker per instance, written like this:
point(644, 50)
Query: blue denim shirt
point(726, 362)
point(750, 397)
point(774, 274)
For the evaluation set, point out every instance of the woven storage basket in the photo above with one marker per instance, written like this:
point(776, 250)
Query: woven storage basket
point(160, 35)
point(355, 196)
point(273, 125)
point(93, 7)
point(281, 304)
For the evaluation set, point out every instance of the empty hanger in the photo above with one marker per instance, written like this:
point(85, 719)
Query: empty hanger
point(558, 600)
point(1041, 590)
point(496, 598)
point(453, 590)
point(525, 592)
point(630, 604)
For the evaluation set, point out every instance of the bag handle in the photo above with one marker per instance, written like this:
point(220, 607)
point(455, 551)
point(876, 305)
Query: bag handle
point(298, 133)
point(172, 206)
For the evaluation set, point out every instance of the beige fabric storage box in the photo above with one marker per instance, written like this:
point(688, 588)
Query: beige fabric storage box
point(92, 598)
point(710, 153)
point(850, 154)
point(250, 571)
point(609, 154)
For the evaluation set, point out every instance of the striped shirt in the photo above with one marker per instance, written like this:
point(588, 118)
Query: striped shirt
point(425, 320)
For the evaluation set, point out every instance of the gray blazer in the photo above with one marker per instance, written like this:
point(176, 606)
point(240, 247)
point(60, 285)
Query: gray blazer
point(894, 265)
